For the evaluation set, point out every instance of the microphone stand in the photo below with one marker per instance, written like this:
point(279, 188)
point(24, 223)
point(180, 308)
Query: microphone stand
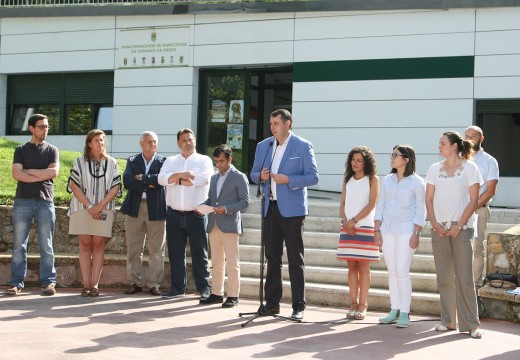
point(262, 310)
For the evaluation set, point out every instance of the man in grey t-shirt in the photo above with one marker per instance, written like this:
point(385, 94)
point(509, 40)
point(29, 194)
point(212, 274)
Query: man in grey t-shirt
point(35, 165)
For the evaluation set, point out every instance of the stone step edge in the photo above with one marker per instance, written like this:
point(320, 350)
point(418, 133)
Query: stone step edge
point(337, 269)
point(376, 295)
point(325, 250)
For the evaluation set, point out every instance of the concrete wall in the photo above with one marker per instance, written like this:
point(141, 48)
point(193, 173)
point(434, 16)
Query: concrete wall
point(334, 115)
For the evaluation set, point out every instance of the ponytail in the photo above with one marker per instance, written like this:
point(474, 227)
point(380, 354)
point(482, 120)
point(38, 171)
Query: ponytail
point(465, 147)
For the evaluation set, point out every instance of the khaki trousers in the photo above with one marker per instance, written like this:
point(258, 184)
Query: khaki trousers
point(455, 280)
point(224, 254)
point(478, 245)
point(137, 230)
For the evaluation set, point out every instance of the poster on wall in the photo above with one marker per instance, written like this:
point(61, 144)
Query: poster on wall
point(218, 111)
point(236, 111)
point(152, 47)
point(234, 136)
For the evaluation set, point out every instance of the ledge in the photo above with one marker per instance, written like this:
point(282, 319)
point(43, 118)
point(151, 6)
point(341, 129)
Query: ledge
point(69, 273)
point(497, 293)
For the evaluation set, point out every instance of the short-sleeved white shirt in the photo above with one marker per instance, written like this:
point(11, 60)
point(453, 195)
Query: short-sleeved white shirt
point(451, 195)
point(488, 167)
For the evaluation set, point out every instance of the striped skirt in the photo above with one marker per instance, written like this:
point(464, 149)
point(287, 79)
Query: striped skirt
point(359, 247)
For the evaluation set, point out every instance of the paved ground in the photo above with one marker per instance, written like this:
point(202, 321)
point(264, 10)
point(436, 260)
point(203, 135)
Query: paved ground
point(116, 326)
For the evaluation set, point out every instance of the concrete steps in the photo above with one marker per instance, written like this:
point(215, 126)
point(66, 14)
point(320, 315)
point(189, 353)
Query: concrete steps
point(326, 277)
point(425, 303)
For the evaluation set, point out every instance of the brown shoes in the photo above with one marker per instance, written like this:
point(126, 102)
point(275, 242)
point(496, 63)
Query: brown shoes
point(15, 290)
point(155, 291)
point(49, 290)
point(133, 289)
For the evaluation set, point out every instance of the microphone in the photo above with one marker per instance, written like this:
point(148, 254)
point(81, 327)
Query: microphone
point(258, 191)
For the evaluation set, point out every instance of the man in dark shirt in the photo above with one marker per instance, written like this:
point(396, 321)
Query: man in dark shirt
point(35, 165)
point(145, 209)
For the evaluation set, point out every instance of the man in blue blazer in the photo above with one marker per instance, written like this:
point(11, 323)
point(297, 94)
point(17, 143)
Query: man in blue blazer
point(145, 207)
point(228, 195)
point(284, 166)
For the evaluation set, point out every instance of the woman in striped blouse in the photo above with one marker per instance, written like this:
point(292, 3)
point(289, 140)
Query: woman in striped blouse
point(94, 182)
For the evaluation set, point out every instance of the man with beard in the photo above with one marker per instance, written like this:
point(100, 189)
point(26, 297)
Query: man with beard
point(488, 168)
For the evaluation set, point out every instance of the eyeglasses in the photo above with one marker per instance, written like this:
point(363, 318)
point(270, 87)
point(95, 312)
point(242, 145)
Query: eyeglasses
point(394, 155)
point(42, 127)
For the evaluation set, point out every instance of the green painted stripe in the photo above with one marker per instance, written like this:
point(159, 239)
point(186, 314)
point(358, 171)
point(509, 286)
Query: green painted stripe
point(385, 69)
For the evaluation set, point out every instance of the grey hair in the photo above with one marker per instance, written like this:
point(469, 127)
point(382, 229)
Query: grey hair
point(148, 133)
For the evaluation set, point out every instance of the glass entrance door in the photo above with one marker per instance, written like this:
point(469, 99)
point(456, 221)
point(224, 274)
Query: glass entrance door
point(224, 113)
point(234, 108)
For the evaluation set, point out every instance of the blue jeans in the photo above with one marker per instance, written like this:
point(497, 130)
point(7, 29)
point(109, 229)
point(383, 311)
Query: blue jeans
point(179, 229)
point(24, 210)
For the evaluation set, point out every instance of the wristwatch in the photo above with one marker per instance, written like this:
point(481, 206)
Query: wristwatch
point(90, 206)
point(417, 232)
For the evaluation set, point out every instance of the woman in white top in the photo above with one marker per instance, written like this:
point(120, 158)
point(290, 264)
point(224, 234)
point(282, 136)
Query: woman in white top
point(452, 190)
point(94, 182)
point(400, 217)
point(356, 243)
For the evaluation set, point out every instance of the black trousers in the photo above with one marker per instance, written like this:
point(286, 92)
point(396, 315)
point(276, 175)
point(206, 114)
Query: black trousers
point(275, 230)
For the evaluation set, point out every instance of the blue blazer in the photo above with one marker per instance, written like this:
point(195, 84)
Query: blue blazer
point(234, 195)
point(298, 163)
point(155, 197)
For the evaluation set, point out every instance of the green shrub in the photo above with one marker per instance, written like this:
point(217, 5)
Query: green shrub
point(61, 196)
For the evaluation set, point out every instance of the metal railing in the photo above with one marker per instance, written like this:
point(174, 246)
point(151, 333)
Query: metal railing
point(48, 3)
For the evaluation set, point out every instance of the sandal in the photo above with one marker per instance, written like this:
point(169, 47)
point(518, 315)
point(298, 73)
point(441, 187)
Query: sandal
point(85, 292)
point(476, 334)
point(94, 292)
point(351, 314)
point(442, 328)
point(360, 315)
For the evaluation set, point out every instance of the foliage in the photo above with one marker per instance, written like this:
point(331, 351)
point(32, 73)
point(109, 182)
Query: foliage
point(61, 196)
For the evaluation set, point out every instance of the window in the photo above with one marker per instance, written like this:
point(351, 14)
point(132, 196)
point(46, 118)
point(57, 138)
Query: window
point(500, 121)
point(74, 103)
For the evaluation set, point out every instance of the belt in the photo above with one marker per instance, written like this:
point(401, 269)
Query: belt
point(273, 201)
point(183, 212)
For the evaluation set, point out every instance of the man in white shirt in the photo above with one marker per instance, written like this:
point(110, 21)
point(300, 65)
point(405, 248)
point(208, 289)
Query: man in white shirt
point(488, 168)
point(186, 177)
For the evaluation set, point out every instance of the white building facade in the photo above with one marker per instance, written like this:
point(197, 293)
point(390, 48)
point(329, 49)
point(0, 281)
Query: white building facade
point(374, 77)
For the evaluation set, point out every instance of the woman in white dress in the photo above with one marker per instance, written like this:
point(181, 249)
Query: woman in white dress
point(356, 243)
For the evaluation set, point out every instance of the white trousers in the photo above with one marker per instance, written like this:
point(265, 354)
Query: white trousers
point(398, 257)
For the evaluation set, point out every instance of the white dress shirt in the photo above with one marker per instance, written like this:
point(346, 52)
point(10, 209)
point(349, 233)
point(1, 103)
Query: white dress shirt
point(187, 198)
point(488, 167)
point(278, 152)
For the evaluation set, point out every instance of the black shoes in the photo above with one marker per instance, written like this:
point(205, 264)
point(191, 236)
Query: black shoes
point(172, 294)
point(212, 299)
point(269, 309)
point(133, 289)
point(230, 302)
point(297, 314)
